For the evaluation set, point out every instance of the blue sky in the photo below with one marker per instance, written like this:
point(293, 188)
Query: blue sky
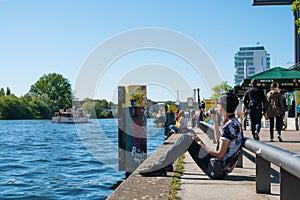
point(41, 37)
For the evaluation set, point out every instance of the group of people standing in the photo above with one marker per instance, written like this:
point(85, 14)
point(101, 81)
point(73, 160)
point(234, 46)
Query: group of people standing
point(272, 106)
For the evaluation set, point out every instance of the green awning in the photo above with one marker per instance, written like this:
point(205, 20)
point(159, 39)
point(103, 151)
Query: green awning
point(286, 78)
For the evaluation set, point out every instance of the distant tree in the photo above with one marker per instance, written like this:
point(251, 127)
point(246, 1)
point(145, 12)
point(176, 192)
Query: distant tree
point(2, 92)
point(12, 107)
point(40, 107)
point(221, 88)
point(169, 103)
point(54, 87)
point(106, 114)
point(8, 91)
point(98, 108)
point(104, 103)
point(89, 107)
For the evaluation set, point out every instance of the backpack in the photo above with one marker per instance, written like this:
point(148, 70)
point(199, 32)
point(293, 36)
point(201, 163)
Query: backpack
point(275, 106)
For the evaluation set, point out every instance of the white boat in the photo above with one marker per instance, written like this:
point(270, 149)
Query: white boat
point(159, 120)
point(70, 116)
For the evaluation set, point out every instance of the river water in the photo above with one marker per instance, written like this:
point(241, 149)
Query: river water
point(41, 160)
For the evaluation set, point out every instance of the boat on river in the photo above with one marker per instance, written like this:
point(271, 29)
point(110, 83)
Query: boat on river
point(71, 115)
point(159, 120)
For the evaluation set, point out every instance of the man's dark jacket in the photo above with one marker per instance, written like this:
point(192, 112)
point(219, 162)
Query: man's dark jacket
point(255, 94)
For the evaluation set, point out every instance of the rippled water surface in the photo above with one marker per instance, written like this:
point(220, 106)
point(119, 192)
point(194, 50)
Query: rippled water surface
point(41, 160)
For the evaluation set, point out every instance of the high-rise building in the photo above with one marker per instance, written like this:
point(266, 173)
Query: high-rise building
point(249, 61)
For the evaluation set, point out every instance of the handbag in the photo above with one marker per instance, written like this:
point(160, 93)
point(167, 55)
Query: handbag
point(215, 169)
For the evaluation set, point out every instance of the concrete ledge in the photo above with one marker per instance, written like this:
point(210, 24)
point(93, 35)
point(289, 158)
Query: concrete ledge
point(139, 187)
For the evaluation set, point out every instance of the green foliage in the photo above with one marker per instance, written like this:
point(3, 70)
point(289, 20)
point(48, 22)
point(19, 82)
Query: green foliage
point(8, 91)
point(2, 92)
point(296, 8)
point(50, 93)
point(40, 107)
point(169, 103)
point(12, 107)
point(89, 107)
point(296, 5)
point(221, 88)
point(54, 87)
point(176, 181)
point(98, 108)
point(106, 114)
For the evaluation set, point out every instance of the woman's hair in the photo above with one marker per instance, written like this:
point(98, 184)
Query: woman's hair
point(229, 102)
point(181, 113)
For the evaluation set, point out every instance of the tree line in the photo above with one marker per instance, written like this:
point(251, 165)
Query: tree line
point(49, 94)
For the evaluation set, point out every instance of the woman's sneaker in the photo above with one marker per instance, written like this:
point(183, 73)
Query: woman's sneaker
point(279, 138)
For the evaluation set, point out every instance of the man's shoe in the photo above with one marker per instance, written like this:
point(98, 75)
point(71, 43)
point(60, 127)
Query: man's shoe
point(271, 140)
point(279, 138)
point(256, 136)
point(159, 172)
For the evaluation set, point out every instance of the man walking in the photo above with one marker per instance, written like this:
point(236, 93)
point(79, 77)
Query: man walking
point(254, 101)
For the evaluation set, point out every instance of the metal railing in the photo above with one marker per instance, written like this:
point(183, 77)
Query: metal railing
point(266, 154)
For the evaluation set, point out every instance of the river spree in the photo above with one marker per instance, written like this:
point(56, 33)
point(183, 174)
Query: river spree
point(41, 160)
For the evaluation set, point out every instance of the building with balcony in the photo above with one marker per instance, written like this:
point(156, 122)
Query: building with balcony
point(249, 61)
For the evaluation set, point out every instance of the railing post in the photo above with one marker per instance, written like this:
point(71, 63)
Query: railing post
point(263, 178)
point(289, 186)
point(240, 160)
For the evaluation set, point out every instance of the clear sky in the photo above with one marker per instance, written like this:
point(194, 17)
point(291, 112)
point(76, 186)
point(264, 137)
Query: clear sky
point(41, 37)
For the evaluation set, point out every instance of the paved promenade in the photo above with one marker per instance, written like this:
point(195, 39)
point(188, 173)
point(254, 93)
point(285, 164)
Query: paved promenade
point(240, 184)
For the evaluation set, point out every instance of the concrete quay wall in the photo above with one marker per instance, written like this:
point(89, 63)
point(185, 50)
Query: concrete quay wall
point(139, 187)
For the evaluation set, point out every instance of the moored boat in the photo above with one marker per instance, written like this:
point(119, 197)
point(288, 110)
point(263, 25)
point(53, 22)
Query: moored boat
point(159, 120)
point(71, 115)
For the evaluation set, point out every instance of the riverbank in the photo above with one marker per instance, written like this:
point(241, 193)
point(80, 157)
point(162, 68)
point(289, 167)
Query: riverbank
point(138, 187)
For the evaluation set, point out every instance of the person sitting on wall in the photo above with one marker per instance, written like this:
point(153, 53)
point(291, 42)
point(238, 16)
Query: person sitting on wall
point(181, 123)
point(216, 163)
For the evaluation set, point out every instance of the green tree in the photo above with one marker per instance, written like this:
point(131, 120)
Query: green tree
point(89, 107)
point(8, 91)
point(12, 107)
point(169, 103)
point(219, 89)
point(2, 92)
point(106, 114)
point(104, 103)
point(98, 108)
point(40, 107)
point(54, 87)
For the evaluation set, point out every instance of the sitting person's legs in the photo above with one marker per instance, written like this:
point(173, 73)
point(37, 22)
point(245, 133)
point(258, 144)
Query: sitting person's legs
point(178, 148)
point(184, 143)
